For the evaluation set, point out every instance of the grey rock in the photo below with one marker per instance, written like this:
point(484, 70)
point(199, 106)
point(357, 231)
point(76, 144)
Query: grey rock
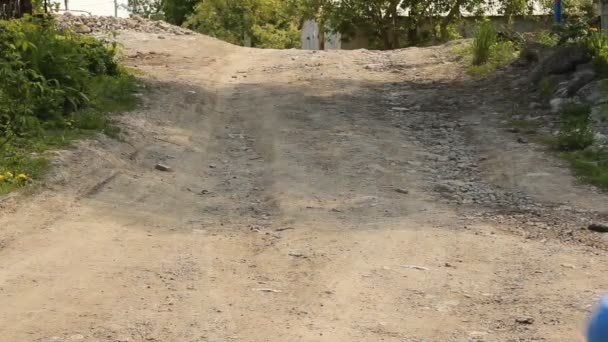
point(571, 87)
point(594, 92)
point(558, 104)
point(163, 167)
point(597, 227)
point(522, 140)
point(82, 29)
point(563, 60)
point(524, 320)
point(402, 191)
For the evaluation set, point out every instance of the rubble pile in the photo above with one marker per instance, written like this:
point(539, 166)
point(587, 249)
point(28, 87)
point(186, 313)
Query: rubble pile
point(95, 25)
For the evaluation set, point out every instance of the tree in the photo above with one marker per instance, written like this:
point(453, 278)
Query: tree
point(176, 11)
point(268, 23)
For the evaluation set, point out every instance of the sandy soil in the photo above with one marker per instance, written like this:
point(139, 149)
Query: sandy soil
point(296, 210)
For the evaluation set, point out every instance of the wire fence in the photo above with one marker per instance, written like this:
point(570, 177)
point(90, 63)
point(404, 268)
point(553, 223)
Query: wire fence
point(14, 8)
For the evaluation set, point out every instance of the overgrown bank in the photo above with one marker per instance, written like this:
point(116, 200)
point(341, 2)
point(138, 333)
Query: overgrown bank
point(56, 86)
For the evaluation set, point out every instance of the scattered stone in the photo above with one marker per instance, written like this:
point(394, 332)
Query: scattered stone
point(268, 290)
point(101, 26)
point(525, 320)
point(212, 166)
point(534, 105)
point(557, 104)
point(522, 140)
point(513, 130)
point(402, 191)
point(414, 267)
point(77, 337)
point(163, 167)
point(597, 227)
point(297, 255)
point(567, 265)
point(572, 86)
point(123, 339)
point(594, 92)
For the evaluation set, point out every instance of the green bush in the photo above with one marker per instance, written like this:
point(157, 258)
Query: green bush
point(485, 39)
point(55, 85)
point(597, 43)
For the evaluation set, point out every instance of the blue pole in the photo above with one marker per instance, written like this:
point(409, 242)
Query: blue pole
point(558, 11)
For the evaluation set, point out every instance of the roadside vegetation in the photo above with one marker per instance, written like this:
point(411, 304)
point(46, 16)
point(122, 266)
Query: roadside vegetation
point(56, 87)
point(575, 141)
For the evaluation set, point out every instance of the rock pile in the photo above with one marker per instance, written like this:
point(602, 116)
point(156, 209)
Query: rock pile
point(95, 25)
point(569, 77)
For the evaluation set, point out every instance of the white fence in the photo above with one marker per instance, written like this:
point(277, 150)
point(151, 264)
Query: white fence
point(312, 36)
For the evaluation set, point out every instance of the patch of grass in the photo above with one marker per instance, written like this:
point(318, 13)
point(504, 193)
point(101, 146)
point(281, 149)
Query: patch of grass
point(525, 126)
point(546, 87)
point(114, 93)
point(14, 163)
point(485, 38)
point(501, 53)
point(590, 165)
point(575, 133)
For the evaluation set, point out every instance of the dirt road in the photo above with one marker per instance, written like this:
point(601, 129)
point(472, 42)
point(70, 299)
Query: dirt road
point(332, 196)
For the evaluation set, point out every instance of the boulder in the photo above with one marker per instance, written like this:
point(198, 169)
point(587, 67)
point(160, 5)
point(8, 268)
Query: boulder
point(82, 29)
point(559, 103)
point(563, 60)
point(595, 92)
point(575, 83)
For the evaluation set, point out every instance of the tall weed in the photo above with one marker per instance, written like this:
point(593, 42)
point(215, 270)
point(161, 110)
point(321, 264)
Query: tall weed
point(485, 38)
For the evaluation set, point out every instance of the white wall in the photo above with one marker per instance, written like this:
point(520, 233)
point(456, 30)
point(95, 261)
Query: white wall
point(96, 7)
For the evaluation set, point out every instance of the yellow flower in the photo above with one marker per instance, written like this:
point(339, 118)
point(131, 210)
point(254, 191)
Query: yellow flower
point(9, 175)
point(22, 176)
point(2, 178)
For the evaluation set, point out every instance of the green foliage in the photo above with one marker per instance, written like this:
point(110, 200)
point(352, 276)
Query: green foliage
point(575, 30)
point(545, 37)
point(500, 54)
point(176, 11)
point(268, 23)
point(485, 39)
point(56, 86)
point(597, 43)
point(591, 165)
point(546, 87)
point(575, 133)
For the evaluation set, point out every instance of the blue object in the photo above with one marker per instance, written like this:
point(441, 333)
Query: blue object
point(558, 11)
point(598, 327)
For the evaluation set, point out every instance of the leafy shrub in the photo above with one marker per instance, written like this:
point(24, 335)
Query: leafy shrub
point(546, 38)
point(574, 30)
point(485, 38)
point(597, 43)
point(54, 86)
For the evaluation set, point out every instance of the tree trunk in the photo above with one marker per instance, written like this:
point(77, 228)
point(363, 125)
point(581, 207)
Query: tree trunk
point(448, 19)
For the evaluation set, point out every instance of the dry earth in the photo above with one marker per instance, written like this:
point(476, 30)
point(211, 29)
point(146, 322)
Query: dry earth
point(314, 196)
